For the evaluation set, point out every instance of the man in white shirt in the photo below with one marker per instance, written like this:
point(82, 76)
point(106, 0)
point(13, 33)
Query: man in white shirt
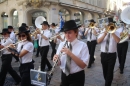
point(13, 38)
point(12, 34)
point(108, 43)
point(7, 59)
point(43, 37)
point(122, 47)
point(73, 56)
point(91, 33)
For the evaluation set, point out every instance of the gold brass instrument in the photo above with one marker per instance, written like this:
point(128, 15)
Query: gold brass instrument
point(125, 18)
point(110, 28)
point(91, 25)
point(124, 36)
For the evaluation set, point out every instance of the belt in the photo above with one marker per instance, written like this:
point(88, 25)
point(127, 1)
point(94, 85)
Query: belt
point(6, 54)
point(108, 52)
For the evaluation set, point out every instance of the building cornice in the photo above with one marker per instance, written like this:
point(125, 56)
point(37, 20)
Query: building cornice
point(82, 8)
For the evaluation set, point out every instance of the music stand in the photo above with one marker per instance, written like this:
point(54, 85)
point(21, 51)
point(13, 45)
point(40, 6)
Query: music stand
point(38, 78)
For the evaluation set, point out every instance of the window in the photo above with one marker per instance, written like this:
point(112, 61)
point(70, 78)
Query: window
point(65, 14)
point(15, 19)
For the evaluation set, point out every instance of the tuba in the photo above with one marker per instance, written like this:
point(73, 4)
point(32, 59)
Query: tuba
point(38, 23)
point(125, 17)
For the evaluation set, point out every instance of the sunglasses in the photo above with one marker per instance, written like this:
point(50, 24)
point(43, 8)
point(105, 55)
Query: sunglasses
point(22, 35)
point(4, 33)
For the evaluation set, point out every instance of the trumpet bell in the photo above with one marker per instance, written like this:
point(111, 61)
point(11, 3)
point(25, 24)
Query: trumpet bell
point(91, 25)
point(39, 21)
point(111, 28)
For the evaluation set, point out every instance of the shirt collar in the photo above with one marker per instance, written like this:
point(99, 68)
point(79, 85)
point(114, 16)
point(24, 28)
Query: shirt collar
point(73, 42)
point(24, 42)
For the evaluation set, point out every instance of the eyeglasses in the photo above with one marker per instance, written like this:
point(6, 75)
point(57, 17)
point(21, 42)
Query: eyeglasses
point(22, 35)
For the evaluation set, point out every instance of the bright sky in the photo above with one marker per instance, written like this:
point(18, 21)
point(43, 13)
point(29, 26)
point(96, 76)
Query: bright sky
point(126, 0)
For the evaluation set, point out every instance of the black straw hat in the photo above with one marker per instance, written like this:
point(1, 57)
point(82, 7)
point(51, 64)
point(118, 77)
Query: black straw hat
point(10, 27)
point(92, 21)
point(53, 24)
point(45, 23)
point(5, 30)
point(23, 24)
point(23, 29)
point(70, 25)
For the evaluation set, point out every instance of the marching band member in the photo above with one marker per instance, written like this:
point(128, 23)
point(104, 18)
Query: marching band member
point(25, 50)
point(91, 32)
point(43, 37)
point(7, 59)
point(74, 58)
point(108, 43)
point(13, 38)
point(53, 31)
point(122, 49)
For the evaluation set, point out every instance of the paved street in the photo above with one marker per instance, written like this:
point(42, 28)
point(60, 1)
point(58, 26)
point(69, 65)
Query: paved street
point(94, 75)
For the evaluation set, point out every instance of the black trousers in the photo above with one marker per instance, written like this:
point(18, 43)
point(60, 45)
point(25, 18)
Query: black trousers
point(108, 62)
point(122, 51)
point(6, 67)
point(24, 70)
point(76, 79)
point(91, 46)
point(44, 61)
point(53, 45)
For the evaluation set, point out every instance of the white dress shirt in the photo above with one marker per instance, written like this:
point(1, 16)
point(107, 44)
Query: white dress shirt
point(112, 43)
point(12, 36)
point(26, 46)
point(80, 50)
point(93, 37)
point(44, 42)
point(5, 43)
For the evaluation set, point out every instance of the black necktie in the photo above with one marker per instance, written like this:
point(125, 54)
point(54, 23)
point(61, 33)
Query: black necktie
point(41, 38)
point(20, 52)
point(107, 42)
point(68, 62)
point(90, 34)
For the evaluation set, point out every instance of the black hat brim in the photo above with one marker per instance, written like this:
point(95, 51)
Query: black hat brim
point(5, 32)
point(66, 29)
point(23, 32)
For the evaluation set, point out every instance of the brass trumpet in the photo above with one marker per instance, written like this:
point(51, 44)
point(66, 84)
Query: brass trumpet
point(91, 25)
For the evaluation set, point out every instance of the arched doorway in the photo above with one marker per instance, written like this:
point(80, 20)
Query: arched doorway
point(79, 15)
point(4, 20)
point(33, 14)
point(65, 14)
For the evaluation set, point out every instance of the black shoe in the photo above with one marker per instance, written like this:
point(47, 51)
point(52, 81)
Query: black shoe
point(17, 83)
point(37, 55)
point(17, 61)
point(89, 66)
point(121, 72)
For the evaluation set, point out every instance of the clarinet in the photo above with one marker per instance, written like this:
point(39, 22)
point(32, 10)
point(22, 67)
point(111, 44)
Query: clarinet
point(52, 70)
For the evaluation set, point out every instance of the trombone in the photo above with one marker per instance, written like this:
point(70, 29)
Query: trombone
point(111, 28)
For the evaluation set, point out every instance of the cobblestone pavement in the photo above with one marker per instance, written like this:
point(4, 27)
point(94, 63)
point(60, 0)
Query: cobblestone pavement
point(94, 75)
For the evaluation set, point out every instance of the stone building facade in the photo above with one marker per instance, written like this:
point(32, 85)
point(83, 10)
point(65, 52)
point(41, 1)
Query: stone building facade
point(15, 12)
